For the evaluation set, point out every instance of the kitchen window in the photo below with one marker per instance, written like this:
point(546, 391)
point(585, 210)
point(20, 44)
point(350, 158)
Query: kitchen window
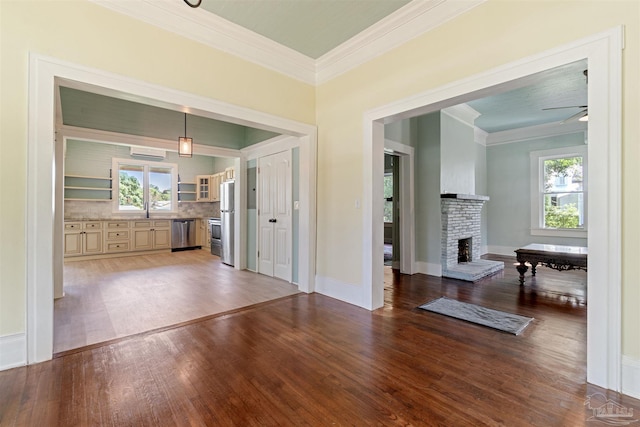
point(145, 186)
point(559, 192)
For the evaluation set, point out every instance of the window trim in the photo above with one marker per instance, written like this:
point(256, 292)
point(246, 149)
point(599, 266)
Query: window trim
point(537, 159)
point(115, 165)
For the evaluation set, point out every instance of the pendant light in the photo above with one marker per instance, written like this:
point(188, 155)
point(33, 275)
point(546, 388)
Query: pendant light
point(185, 144)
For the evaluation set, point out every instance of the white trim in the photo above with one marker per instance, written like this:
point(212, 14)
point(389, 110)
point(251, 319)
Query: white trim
point(13, 351)
point(429, 268)
point(216, 32)
point(44, 73)
point(103, 136)
point(408, 22)
point(347, 292)
point(406, 156)
point(536, 172)
point(480, 136)
point(270, 146)
point(604, 54)
point(463, 113)
point(536, 132)
point(631, 376)
point(501, 250)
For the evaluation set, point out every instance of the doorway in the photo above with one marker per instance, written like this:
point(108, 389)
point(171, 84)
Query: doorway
point(603, 53)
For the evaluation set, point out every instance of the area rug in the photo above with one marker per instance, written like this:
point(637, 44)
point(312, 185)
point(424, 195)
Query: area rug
point(495, 319)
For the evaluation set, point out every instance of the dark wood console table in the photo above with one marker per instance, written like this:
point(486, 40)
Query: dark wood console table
point(558, 257)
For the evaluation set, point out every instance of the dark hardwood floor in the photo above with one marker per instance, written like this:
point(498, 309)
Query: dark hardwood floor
point(313, 360)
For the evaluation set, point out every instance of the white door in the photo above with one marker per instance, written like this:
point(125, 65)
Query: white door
point(274, 215)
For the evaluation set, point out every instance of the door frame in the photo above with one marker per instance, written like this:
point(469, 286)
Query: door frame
point(44, 219)
point(406, 156)
point(604, 54)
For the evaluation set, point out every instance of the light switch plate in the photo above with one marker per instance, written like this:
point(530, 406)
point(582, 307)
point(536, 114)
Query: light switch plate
point(296, 205)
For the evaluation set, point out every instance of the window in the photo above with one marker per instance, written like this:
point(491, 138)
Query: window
point(142, 185)
point(559, 192)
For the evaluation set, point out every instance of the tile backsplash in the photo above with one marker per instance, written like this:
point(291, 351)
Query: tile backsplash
point(85, 210)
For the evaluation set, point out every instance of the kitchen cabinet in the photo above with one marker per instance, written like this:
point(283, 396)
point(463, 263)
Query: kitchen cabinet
point(216, 180)
point(229, 173)
point(203, 188)
point(117, 236)
point(82, 238)
point(151, 235)
point(201, 232)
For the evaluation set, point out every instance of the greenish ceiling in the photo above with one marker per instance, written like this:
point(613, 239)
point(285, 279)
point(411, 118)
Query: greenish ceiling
point(310, 27)
point(93, 111)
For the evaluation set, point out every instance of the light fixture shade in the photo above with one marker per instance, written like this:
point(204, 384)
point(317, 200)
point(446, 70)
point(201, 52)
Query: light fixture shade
point(185, 146)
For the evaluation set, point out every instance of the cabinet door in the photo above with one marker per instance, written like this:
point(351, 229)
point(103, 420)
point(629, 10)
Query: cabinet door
point(142, 240)
point(203, 188)
point(216, 180)
point(72, 243)
point(92, 242)
point(162, 238)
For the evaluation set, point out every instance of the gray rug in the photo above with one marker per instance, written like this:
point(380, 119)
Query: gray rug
point(496, 319)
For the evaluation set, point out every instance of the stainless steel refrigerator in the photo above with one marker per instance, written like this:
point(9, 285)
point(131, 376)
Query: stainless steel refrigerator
point(227, 221)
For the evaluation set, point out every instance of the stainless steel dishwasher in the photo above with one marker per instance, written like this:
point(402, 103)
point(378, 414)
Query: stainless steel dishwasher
point(183, 234)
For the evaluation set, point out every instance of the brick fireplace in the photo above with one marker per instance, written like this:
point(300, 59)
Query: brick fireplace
point(462, 230)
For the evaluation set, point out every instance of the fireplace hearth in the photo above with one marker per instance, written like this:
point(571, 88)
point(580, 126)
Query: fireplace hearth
point(462, 238)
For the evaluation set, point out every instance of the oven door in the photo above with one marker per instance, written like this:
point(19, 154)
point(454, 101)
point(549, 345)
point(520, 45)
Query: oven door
point(215, 231)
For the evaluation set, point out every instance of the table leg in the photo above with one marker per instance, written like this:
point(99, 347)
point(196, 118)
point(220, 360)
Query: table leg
point(533, 268)
point(522, 268)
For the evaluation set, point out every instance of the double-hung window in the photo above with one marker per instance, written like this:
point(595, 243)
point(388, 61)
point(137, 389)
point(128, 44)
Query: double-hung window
point(559, 192)
point(144, 186)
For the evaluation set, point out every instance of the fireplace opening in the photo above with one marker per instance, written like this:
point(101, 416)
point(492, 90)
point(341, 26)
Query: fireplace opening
point(464, 250)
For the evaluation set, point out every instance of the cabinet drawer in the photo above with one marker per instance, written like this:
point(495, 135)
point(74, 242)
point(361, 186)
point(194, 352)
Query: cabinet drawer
point(72, 225)
point(92, 225)
point(117, 246)
point(164, 223)
point(117, 224)
point(117, 235)
point(142, 224)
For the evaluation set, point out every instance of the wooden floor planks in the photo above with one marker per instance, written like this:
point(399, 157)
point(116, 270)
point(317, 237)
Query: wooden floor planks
point(312, 360)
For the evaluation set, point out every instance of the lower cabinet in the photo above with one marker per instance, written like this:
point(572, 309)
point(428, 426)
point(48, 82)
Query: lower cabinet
point(150, 235)
point(117, 237)
point(83, 238)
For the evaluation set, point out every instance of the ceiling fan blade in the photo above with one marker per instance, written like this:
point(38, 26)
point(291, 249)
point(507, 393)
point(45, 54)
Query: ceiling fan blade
point(570, 106)
point(575, 116)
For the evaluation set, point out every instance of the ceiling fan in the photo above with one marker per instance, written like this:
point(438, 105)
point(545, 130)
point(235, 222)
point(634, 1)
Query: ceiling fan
point(583, 114)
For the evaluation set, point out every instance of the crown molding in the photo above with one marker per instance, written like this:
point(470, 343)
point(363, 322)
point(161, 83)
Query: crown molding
point(534, 132)
point(408, 22)
point(463, 113)
point(218, 33)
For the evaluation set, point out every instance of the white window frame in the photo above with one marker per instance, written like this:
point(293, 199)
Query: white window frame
point(537, 190)
point(115, 167)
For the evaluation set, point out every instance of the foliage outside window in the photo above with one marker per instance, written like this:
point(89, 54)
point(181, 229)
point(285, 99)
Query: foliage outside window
point(563, 193)
point(388, 197)
point(143, 184)
point(559, 191)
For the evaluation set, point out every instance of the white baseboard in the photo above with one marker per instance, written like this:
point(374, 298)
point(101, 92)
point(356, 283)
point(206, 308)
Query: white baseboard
point(501, 250)
point(429, 268)
point(631, 376)
point(13, 351)
point(347, 292)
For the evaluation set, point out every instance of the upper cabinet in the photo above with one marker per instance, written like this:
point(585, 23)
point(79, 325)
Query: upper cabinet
point(208, 186)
